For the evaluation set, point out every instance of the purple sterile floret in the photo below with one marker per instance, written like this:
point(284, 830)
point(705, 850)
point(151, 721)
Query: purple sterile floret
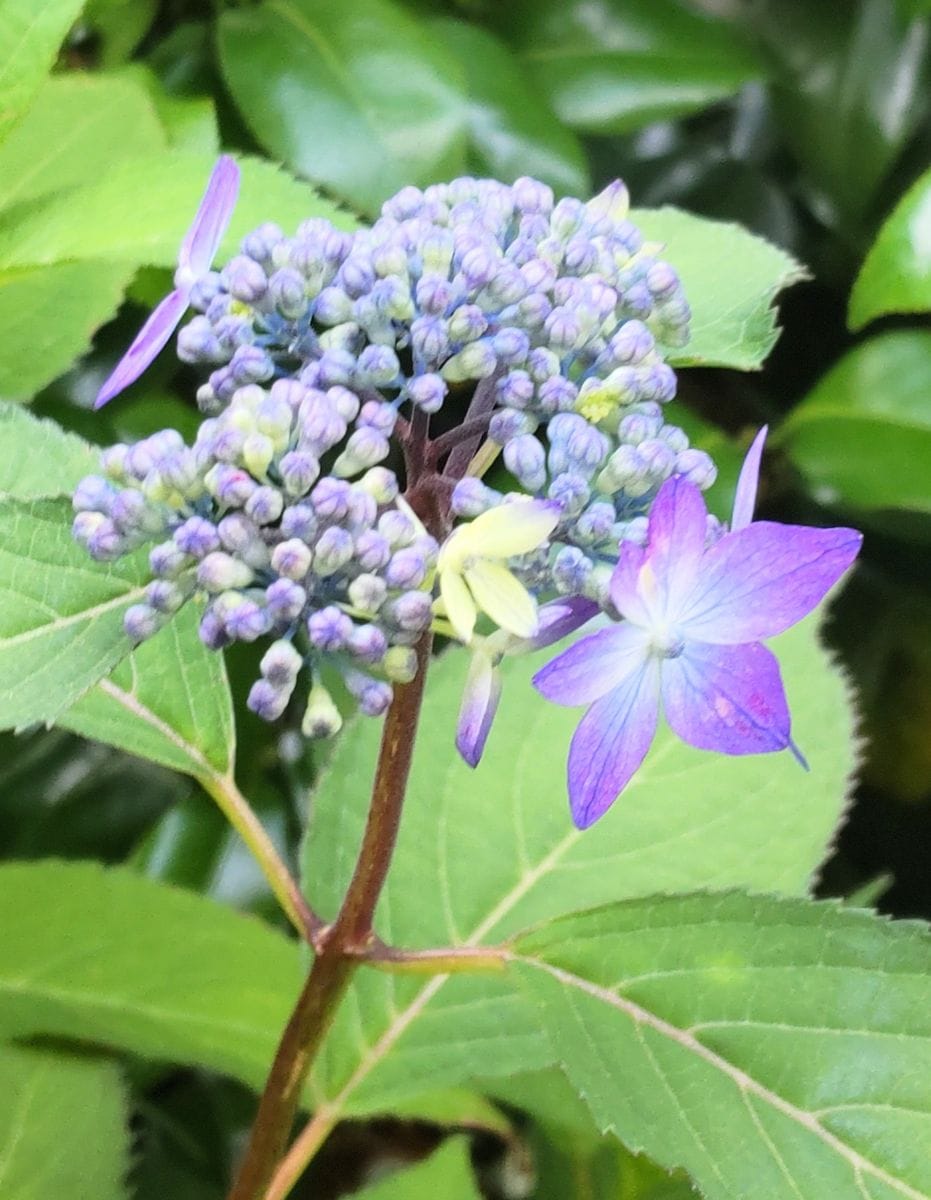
point(694, 616)
point(200, 244)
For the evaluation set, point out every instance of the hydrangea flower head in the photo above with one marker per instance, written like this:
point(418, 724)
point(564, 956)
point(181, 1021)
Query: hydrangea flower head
point(200, 244)
point(694, 616)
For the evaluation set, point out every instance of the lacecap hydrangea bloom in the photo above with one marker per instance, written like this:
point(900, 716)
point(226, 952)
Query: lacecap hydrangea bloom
point(358, 388)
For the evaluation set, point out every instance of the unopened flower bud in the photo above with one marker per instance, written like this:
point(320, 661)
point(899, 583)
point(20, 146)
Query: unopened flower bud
point(321, 717)
point(220, 572)
point(141, 621)
point(333, 551)
point(285, 600)
point(400, 664)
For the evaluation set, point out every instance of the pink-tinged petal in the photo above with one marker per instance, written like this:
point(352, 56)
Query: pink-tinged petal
point(610, 744)
point(593, 666)
point(726, 698)
point(479, 705)
point(745, 495)
point(624, 587)
point(760, 580)
point(202, 240)
point(148, 343)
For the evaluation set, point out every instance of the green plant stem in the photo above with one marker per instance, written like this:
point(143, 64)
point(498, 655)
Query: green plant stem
point(339, 947)
point(239, 813)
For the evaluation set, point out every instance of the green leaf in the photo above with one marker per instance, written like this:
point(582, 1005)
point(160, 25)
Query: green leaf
point(49, 315)
point(850, 88)
point(31, 32)
point(482, 854)
point(107, 957)
point(40, 459)
point(358, 97)
point(61, 614)
point(731, 279)
point(74, 132)
point(608, 1172)
point(446, 1173)
point(610, 68)
point(120, 25)
point(63, 1126)
point(862, 436)
point(512, 129)
point(797, 1032)
point(169, 701)
point(896, 274)
point(139, 212)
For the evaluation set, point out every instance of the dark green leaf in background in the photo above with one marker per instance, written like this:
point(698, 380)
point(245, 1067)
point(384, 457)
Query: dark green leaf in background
point(61, 614)
point(896, 274)
point(851, 88)
point(608, 67)
point(119, 26)
point(357, 97)
point(63, 1126)
point(773, 1048)
point(512, 129)
point(862, 436)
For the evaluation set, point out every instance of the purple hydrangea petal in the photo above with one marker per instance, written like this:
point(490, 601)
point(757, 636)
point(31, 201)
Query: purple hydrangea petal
point(745, 494)
point(558, 618)
point(625, 583)
point(760, 580)
point(478, 708)
point(726, 698)
point(610, 744)
point(148, 343)
point(202, 240)
point(594, 666)
point(678, 524)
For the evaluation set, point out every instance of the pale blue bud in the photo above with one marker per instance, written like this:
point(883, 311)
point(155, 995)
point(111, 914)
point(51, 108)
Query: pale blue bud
point(367, 592)
point(291, 559)
point(299, 521)
point(140, 622)
point(285, 600)
point(428, 392)
point(372, 550)
point(299, 469)
point(197, 537)
point(329, 629)
point(696, 466)
point(267, 700)
point(281, 663)
point(381, 484)
point(265, 505)
point(525, 458)
point(244, 279)
point(406, 569)
point(368, 644)
point(220, 572)
point(400, 664)
point(333, 551)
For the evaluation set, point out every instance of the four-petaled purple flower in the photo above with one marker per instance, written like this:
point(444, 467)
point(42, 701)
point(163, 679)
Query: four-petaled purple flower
point(694, 616)
point(200, 244)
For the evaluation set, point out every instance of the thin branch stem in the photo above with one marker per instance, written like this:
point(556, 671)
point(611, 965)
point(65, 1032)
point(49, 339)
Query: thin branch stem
point(305, 1146)
point(339, 947)
point(454, 437)
point(441, 960)
point(482, 402)
point(352, 929)
point(237, 810)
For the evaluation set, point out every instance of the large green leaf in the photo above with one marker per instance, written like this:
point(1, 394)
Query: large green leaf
point(39, 458)
point(169, 701)
point(731, 279)
point(862, 436)
point(111, 958)
point(358, 97)
point(896, 275)
point(61, 614)
point(49, 315)
point(63, 1126)
point(850, 89)
point(139, 211)
point(31, 32)
point(446, 1173)
point(512, 129)
point(770, 1047)
point(609, 67)
point(482, 854)
point(76, 130)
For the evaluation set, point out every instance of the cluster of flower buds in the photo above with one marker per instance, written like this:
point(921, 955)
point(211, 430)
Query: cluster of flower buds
point(284, 516)
point(246, 518)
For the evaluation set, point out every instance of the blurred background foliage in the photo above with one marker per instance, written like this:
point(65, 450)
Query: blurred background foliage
point(806, 121)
